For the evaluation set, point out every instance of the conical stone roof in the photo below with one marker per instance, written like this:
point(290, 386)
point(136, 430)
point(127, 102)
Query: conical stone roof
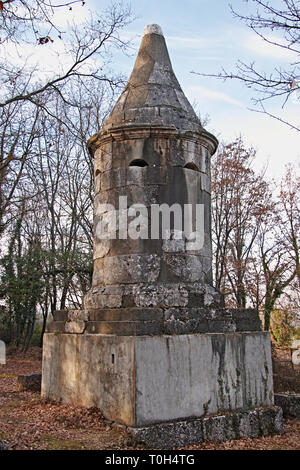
point(153, 96)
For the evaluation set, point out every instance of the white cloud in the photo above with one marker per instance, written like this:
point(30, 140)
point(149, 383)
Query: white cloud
point(196, 92)
point(189, 42)
point(63, 16)
point(259, 46)
point(275, 143)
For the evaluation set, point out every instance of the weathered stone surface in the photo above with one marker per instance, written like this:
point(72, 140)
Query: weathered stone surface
point(122, 316)
point(248, 424)
point(174, 245)
point(55, 326)
point(295, 349)
point(76, 327)
point(98, 274)
point(248, 325)
point(161, 378)
point(101, 248)
point(160, 296)
point(221, 325)
point(233, 425)
point(244, 314)
point(270, 421)
point(78, 315)
point(153, 93)
point(74, 367)
point(170, 435)
point(218, 428)
point(99, 300)
point(131, 268)
point(185, 314)
point(30, 382)
point(126, 314)
point(179, 327)
point(126, 328)
point(290, 404)
point(187, 267)
point(60, 315)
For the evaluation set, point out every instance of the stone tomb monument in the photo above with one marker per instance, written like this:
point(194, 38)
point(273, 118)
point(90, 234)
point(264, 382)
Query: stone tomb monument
point(154, 347)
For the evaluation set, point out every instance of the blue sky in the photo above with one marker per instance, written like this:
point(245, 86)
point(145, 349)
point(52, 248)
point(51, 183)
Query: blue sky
point(203, 36)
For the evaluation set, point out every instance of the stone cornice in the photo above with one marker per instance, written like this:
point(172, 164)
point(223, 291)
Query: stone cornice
point(134, 131)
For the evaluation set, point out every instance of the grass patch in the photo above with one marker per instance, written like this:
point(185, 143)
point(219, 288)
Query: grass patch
point(3, 436)
point(8, 376)
point(55, 443)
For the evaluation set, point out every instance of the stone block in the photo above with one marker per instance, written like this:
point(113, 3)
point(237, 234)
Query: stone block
point(125, 328)
point(179, 327)
point(290, 404)
point(244, 314)
point(113, 179)
point(174, 245)
point(219, 428)
point(248, 424)
point(162, 378)
point(103, 158)
point(78, 315)
point(170, 435)
point(187, 267)
point(55, 327)
point(101, 300)
point(160, 295)
point(221, 325)
point(186, 313)
point(196, 300)
point(126, 314)
point(60, 315)
point(76, 327)
point(270, 421)
point(131, 268)
point(248, 325)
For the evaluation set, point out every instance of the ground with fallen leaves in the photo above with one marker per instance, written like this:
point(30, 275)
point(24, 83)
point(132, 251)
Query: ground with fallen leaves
point(28, 422)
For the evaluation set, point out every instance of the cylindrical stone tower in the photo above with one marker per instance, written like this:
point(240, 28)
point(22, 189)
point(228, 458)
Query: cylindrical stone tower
point(152, 151)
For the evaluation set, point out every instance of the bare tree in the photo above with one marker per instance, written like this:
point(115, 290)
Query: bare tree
point(25, 94)
point(289, 199)
point(282, 83)
point(241, 200)
point(18, 132)
point(272, 276)
point(86, 52)
point(277, 270)
point(46, 171)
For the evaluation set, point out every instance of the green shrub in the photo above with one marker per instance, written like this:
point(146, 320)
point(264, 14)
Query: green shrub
point(36, 336)
point(282, 326)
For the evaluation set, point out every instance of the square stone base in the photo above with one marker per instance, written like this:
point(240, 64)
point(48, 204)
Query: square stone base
point(142, 380)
